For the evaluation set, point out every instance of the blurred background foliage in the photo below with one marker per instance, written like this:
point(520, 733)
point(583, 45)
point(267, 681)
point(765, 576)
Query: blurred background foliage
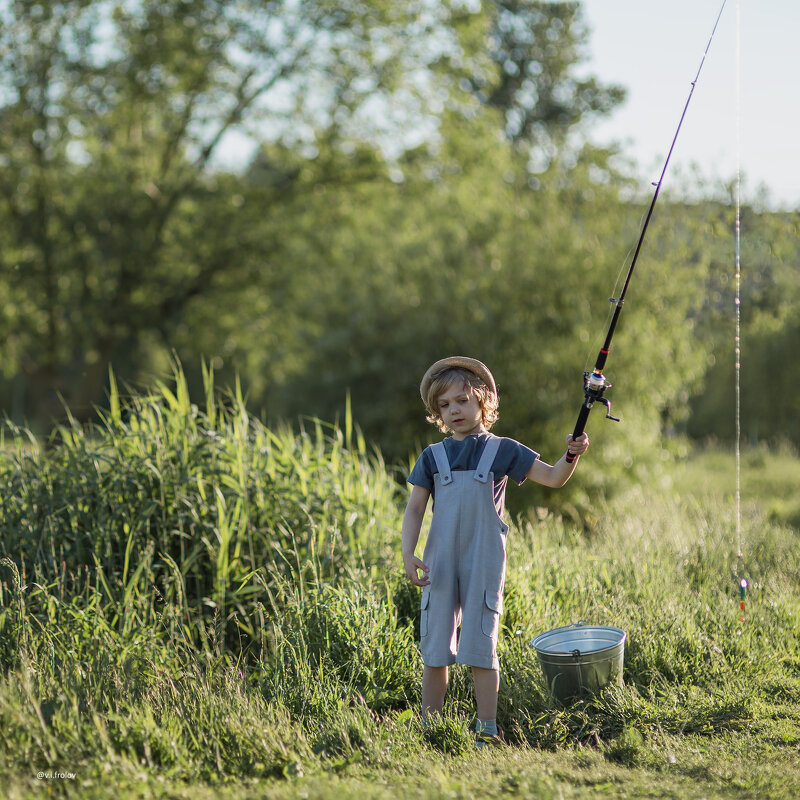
point(323, 198)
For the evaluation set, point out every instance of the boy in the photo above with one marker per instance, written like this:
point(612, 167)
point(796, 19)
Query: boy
point(463, 566)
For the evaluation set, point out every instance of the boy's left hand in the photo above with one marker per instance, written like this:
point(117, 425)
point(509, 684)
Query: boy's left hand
point(578, 446)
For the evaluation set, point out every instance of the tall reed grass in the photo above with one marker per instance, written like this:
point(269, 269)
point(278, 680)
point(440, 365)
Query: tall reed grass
point(169, 506)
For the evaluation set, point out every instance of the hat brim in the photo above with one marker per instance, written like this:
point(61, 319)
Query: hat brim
point(471, 364)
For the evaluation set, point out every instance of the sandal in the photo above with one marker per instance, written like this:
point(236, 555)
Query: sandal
point(483, 739)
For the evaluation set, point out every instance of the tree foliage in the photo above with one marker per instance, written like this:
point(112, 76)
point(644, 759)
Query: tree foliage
point(536, 46)
point(769, 333)
point(114, 217)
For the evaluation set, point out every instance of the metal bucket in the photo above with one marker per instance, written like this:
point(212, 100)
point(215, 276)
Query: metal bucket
point(580, 658)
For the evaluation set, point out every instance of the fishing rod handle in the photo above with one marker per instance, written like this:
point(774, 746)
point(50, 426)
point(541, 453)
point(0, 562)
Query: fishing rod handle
point(580, 426)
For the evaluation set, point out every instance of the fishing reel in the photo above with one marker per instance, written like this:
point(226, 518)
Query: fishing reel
point(594, 385)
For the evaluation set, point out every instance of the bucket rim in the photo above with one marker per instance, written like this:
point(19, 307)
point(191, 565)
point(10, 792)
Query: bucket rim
point(582, 626)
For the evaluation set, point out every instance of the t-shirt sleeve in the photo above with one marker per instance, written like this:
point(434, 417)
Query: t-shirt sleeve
point(519, 459)
point(422, 474)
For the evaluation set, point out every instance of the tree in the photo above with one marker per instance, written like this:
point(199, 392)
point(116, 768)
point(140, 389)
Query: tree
point(536, 47)
point(110, 121)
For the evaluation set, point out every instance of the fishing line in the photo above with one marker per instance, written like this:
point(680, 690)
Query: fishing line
point(620, 272)
point(737, 351)
point(598, 339)
point(737, 303)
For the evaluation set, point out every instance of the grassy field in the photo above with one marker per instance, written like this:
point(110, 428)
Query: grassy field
point(193, 605)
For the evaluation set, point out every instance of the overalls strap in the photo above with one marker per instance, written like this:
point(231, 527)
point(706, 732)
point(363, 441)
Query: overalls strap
point(442, 464)
point(487, 459)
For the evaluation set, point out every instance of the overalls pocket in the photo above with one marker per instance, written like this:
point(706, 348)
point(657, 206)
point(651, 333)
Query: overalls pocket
point(492, 609)
point(423, 613)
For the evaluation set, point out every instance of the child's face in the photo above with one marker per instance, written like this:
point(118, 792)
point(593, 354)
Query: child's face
point(460, 410)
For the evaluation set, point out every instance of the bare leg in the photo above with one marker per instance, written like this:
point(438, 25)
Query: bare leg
point(434, 685)
point(487, 685)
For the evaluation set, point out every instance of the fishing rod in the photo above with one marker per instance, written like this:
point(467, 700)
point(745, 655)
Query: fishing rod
point(594, 382)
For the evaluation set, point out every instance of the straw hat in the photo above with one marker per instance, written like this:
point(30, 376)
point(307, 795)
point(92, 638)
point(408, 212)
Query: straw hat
point(471, 364)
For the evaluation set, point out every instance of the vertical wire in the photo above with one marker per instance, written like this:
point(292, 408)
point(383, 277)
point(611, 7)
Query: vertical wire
point(738, 297)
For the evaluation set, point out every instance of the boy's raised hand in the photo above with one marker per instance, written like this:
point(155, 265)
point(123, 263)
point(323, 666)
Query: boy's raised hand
point(412, 566)
point(579, 446)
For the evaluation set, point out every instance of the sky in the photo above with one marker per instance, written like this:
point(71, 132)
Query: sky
point(654, 50)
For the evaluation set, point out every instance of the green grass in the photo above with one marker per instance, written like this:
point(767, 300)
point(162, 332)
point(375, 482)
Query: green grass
point(193, 605)
point(769, 478)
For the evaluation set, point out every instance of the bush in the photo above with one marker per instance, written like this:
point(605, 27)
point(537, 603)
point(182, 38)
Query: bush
point(167, 506)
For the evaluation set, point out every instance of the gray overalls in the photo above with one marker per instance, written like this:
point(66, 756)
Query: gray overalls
point(466, 553)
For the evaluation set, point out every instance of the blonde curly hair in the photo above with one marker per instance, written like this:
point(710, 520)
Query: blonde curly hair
point(487, 399)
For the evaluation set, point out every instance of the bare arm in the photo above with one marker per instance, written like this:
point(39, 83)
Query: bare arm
point(558, 474)
point(412, 524)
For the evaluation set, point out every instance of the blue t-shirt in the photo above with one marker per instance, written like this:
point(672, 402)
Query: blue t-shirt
point(513, 460)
